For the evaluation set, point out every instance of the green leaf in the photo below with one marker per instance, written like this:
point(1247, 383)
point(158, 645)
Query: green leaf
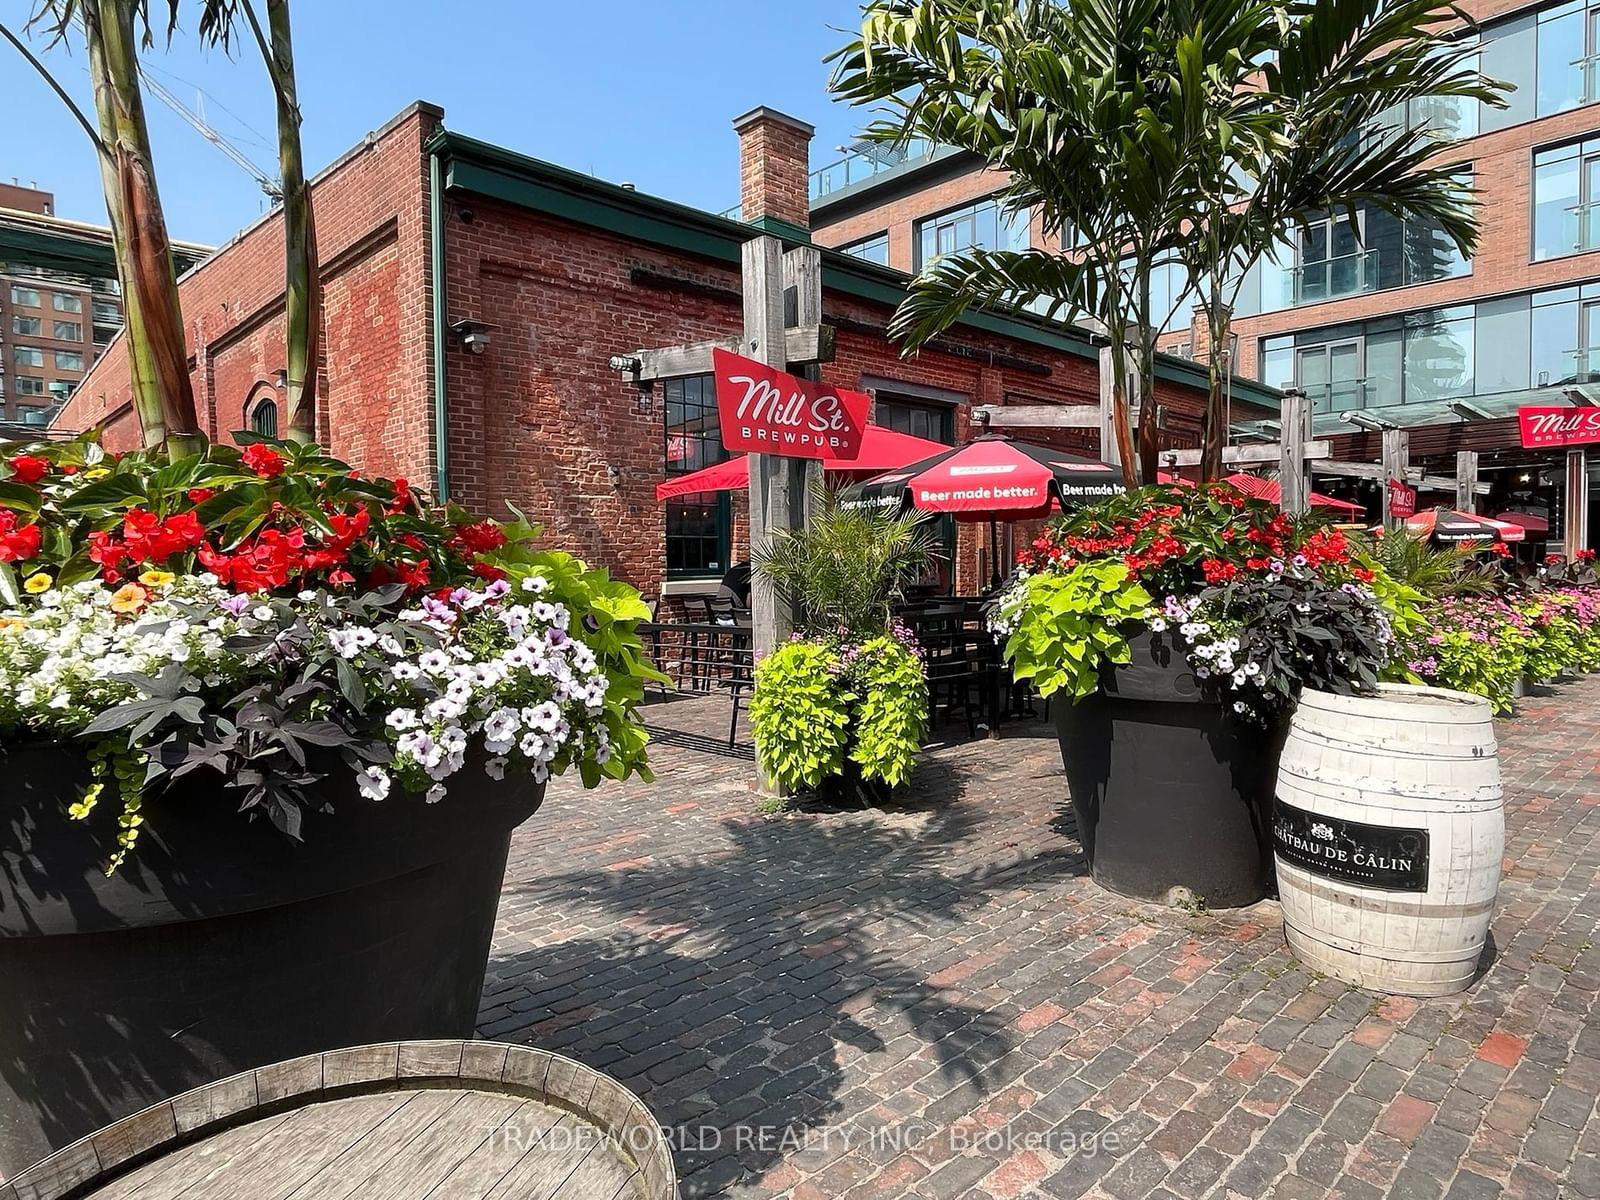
point(9, 591)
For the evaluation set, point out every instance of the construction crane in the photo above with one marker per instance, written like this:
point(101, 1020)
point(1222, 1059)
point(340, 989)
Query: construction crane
point(269, 185)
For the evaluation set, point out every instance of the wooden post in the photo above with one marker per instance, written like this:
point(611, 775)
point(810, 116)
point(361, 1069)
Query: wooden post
point(770, 477)
point(802, 306)
point(1577, 501)
point(1396, 462)
point(1466, 481)
point(1109, 454)
point(1294, 473)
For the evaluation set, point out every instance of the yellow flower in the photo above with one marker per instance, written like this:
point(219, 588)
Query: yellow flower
point(157, 579)
point(37, 583)
point(128, 598)
point(97, 473)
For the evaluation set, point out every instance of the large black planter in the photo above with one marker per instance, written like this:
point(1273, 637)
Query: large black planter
point(1171, 791)
point(223, 945)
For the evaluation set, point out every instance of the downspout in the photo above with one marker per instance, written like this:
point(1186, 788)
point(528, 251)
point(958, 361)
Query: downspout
point(441, 440)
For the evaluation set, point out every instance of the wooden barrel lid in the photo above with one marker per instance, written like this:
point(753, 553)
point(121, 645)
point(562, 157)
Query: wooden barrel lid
point(393, 1121)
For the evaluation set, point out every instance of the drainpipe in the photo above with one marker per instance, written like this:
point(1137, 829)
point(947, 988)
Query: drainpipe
point(441, 440)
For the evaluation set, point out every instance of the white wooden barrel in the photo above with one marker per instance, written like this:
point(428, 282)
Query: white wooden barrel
point(1388, 832)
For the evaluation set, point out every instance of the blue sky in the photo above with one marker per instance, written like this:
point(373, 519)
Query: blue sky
point(637, 90)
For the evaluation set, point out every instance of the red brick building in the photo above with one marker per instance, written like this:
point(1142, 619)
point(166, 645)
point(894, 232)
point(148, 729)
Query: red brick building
point(424, 234)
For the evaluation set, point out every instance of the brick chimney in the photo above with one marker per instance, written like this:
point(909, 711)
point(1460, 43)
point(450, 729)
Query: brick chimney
point(774, 171)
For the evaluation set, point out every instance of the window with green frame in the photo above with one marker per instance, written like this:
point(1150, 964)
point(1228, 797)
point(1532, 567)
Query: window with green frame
point(699, 527)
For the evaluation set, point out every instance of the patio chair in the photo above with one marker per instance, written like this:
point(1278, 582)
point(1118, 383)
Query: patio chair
point(957, 673)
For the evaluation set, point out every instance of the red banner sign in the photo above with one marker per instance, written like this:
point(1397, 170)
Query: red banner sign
point(771, 412)
point(1557, 426)
point(1402, 499)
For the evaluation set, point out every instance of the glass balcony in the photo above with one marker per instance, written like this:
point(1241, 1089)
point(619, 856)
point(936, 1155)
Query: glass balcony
point(1334, 278)
point(865, 161)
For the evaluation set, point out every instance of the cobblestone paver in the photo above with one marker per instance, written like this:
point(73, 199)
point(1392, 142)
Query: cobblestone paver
point(934, 1001)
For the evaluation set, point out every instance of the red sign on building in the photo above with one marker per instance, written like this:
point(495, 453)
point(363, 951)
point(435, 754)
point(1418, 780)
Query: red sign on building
point(1556, 426)
point(771, 412)
point(1402, 499)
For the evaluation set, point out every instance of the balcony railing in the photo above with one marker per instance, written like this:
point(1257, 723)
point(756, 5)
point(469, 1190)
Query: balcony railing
point(1340, 396)
point(1583, 225)
point(1334, 278)
point(865, 162)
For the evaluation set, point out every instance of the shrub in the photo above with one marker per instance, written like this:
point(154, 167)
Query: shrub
point(1063, 625)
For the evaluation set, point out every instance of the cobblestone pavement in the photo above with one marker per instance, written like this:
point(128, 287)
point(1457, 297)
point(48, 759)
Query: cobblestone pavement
point(934, 1001)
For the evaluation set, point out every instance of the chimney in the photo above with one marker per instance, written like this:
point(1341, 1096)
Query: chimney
point(774, 172)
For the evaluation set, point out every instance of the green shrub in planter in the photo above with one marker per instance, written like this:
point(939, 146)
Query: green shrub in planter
point(820, 704)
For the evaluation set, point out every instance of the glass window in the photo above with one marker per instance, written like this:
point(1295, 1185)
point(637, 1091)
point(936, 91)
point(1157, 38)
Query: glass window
point(1508, 53)
point(68, 331)
point(1503, 345)
point(873, 249)
point(264, 419)
point(107, 313)
point(1566, 185)
point(27, 356)
point(27, 326)
point(1565, 60)
point(28, 385)
point(66, 302)
point(1170, 296)
point(69, 360)
point(33, 414)
point(699, 527)
point(1438, 363)
point(27, 297)
point(980, 226)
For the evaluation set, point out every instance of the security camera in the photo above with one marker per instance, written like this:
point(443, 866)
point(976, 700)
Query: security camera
point(477, 341)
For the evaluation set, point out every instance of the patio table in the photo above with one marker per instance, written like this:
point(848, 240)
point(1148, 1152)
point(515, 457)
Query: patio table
point(393, 1121)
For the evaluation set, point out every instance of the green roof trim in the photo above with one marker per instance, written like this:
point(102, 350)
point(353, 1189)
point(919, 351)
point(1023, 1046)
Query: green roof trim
point(489, 170)
point(74, 255)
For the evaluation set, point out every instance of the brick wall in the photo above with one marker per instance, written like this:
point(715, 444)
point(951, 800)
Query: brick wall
point(541, 421)
point(375, 385)
point(538, 420)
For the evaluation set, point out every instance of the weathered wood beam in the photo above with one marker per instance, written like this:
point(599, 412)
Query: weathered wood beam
point(801, 344)
point(1413, 475)
point(1267, 452)
point(1040, 416)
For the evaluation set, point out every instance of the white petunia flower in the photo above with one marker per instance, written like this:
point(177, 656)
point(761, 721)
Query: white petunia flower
point(373, 783)
point(435, 794)
point(495, 768)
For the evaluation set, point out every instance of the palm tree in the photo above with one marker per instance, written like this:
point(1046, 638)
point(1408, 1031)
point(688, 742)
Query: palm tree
point(302, 280)
point(1309, 129)
point(1154, 130)
point(163, 399)
point(848, 566)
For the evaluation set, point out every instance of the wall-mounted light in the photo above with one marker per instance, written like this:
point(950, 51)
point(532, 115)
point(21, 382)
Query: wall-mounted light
point(472, 335)
point(1367, 420)
point(281, 379)
point(624, 362)
point(614, 473)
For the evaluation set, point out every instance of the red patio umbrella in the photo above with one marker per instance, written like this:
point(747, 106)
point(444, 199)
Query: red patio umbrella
point(881, 450)
point(990, 478)
point(1531, 522)
point(1452, 525)
point(1271, 491)
point(1262, 489)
